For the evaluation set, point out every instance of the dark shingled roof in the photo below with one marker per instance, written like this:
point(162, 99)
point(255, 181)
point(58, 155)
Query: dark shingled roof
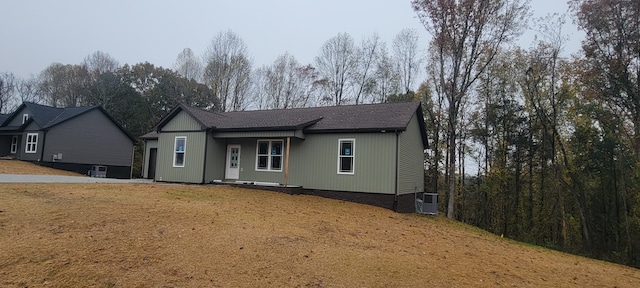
point(349, 118)
point(150, 135)
point(47, 116)
point(3, 117)
point(368, 117)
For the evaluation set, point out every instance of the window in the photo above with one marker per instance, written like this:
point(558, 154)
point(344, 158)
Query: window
point(179, 151)
point(25, 118)
point(14, 144)
point(346, 156)
point(32, 143)
point(269, 155)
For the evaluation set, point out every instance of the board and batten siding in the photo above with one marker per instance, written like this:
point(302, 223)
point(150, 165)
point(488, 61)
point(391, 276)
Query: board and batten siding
point(182, 122)
point(192, 172)
point(89, 138)
point(313, 163)
point(148, 145)
point(410, 159)
point(248, 171)
point(216, 159)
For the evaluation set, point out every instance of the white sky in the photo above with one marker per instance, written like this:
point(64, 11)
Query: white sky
point(36, 33)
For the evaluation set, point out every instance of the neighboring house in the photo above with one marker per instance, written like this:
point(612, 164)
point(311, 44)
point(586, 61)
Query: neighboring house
point(371, 154)
point(74, 139)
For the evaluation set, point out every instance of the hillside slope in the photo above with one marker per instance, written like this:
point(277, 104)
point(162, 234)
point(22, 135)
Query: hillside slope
point(137, 235)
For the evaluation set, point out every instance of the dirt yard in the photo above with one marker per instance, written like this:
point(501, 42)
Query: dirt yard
point(20, 167)
point(151, 235)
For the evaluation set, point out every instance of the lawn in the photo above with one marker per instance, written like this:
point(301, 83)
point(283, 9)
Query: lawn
point(153, 235)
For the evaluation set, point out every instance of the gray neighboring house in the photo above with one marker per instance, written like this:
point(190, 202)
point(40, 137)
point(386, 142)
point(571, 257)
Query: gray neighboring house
point(371, 154)
point(73, 139)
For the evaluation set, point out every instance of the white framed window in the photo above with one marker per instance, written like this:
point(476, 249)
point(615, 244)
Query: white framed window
point(14, 144)
point(25, 118)
point(346, 156)
point(179, 151)
point(269, 155)
point(32, 143)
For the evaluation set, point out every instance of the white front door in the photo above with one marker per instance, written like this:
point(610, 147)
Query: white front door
point(233, 162)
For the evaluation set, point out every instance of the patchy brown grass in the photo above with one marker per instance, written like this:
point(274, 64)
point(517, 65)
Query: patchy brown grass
point(151, 235)
point(20, 167)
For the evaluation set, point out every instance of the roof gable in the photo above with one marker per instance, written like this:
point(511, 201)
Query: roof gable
point(46, 116)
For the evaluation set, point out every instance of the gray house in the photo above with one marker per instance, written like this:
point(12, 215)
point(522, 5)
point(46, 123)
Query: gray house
point(365, 153)
point(74, 139)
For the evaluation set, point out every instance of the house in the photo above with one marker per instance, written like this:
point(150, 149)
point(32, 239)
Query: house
point(73, 139)
point(372, 154)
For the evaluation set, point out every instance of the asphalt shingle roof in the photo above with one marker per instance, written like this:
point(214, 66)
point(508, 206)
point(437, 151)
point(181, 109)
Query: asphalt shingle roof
point(3, 117)
point(369, 117)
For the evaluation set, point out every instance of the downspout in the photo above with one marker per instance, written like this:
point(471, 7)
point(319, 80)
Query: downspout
point(44, 138)
point(133, 158)
point(286, 164)
point(204, 163)
point(395, 198)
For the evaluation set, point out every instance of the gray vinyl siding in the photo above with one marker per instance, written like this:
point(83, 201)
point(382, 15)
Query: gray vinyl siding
point(411, 159)
point(216, 157)
point(5, 145)
point(314, 163)
point(90, 138)
point(149, 143)
point(182, 122)
point(17, 121)
point(192, 172)
point(23, 145)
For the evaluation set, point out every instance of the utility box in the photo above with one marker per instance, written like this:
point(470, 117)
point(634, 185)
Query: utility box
point(98, 171)
point(427, 203)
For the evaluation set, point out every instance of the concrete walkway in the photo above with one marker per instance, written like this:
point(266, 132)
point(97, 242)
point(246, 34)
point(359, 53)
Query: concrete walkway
point(19, 178)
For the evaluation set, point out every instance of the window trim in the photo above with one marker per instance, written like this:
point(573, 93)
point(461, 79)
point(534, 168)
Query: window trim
point(352, 156)
point(176, 152)
point(14, 144)
point(31, 144)
point(25, 118)
point(269, 155)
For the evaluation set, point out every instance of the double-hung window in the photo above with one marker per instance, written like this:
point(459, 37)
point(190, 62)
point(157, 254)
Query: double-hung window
point(179, 150)
point(14, 144)
point(346, 156)
point(32, 143)
point(269, 155)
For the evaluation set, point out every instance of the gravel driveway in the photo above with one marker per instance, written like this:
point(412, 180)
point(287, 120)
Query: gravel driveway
point(19, 178)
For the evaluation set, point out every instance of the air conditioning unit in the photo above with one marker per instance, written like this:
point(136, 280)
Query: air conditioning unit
point(427, 203)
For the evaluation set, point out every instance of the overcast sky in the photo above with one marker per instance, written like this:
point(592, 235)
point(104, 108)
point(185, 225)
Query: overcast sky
point(35, 34)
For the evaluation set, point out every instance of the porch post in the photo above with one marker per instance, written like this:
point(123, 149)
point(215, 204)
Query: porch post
point(286, 164)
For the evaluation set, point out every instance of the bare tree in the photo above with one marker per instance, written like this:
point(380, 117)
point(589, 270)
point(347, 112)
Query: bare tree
point(335, 65)
point(228, 70)
point(363, 75)
point(7, 91)
point(466, 38)
point(100, 62)
point(407, 56)
point(65, 85)
point(387, 78)
point(28, 90)
point(286, 83)
point(188, 65)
